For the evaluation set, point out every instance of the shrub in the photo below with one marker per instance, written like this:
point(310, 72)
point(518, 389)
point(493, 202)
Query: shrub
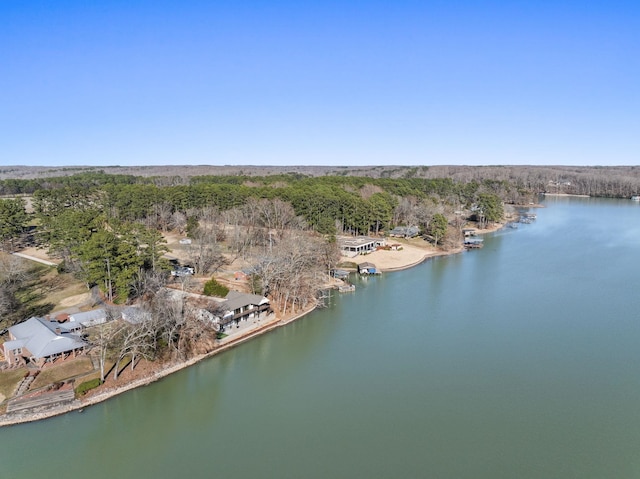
point(213, 288)
point(256, 284)
point(88, 386)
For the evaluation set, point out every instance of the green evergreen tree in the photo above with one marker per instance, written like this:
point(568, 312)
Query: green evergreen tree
point(213, 288)
point(490, 208)
point(438, 227)
point(13, 218)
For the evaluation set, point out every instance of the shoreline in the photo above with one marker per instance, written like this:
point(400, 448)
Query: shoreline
point(566, 194)
point(427, 256)
point(424, 255)
point(10, 419)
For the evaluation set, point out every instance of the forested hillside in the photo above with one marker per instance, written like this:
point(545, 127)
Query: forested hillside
point(607, 181)
point(108, 229)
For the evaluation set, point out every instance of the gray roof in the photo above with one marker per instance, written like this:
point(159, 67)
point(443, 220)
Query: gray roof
point(39, 336)
point(236, 299)
point(405, 231)
point(15, 344)
point(67, 327)
point(89, 318)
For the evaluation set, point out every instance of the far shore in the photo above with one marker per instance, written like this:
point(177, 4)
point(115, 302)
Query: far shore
point(413, 253)
point(566, 194)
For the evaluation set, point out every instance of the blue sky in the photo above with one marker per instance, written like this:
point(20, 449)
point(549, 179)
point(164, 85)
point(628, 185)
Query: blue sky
point(328, 83)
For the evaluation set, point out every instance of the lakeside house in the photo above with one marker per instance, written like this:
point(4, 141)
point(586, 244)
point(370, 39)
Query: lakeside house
point(359, 245)
point(242, 307)
point(39, 341)
point(405, 232)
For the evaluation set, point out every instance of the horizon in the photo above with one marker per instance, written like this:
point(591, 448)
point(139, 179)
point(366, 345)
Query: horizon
point(362, 166)
point(251, 83)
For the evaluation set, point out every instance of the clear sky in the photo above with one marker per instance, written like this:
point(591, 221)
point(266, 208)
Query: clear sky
point(319, 82)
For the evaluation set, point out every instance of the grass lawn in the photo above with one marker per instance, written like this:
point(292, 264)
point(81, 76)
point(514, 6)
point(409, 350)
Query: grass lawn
point(62, 371)
point(88, 377)
point(9, 380)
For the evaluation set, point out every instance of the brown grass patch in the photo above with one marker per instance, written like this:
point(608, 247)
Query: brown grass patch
point(65, 370)
point(9, 381)
point(63, 290)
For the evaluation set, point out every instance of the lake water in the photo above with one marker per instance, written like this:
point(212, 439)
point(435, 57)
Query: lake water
point(519, 360)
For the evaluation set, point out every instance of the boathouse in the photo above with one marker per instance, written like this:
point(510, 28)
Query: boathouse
point(473, 242)
point(368, 268)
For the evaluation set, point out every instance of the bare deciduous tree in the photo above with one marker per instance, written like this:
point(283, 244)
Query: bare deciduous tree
point(136, 340)
point(104, 341)
point(148, 282)
point(295, 273)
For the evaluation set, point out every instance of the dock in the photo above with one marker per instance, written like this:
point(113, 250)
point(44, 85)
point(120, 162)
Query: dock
point(346, 288)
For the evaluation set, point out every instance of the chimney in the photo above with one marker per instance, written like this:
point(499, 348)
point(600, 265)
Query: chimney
point(58, 331)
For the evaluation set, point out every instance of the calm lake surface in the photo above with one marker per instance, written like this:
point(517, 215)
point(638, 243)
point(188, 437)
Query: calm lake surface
point(519, 360)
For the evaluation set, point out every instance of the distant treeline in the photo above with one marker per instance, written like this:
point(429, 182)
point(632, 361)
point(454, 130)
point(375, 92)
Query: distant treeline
point(610, 181)
point(329, 204)
point(597, 181)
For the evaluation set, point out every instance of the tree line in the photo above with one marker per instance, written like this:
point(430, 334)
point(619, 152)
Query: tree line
point(107, 229)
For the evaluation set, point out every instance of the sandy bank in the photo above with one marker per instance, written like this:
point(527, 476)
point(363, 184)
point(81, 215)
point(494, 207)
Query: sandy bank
point(413, 252)
point(566, 194)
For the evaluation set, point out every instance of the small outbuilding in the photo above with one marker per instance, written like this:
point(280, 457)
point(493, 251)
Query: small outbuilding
point(89, 318)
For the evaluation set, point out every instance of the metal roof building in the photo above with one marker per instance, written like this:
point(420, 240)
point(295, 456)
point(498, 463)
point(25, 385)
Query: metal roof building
point(40, 340)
